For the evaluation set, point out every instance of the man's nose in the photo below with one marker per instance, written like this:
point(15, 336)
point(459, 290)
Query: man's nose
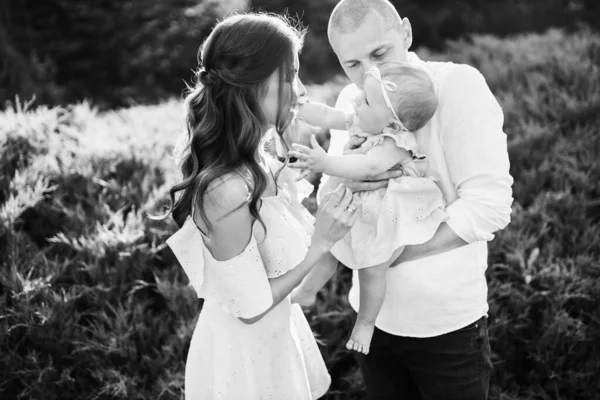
point(368, 64)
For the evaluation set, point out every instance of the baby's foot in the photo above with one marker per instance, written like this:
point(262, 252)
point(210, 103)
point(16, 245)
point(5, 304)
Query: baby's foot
point(303, 297)
point(360, 339)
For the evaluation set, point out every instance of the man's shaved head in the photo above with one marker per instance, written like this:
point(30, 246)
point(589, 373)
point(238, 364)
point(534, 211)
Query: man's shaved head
point(367, 33)
point(349, 15)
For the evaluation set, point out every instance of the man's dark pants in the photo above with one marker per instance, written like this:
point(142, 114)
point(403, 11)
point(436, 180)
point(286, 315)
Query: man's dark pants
point(453, 366)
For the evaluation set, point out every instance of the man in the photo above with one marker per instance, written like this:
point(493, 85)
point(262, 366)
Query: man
point(431, 339)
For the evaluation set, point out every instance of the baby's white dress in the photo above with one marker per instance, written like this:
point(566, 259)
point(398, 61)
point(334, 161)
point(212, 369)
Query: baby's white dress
point(277, 357)
point(407, 212)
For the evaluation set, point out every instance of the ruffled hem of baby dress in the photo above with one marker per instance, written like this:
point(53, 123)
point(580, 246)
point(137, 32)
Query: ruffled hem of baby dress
point(409, 213)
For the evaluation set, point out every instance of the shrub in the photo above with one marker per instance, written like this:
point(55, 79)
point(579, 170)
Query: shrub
point(115, 52)
point(124, 52)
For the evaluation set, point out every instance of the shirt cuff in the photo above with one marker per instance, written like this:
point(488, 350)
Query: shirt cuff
point(462, 223)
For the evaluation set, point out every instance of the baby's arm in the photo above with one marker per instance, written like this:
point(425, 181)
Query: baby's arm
point(322, 115)
point(355, 166)
point(361, 166)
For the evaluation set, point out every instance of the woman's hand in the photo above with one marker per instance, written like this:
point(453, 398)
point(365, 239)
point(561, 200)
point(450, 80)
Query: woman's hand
point(336, 215)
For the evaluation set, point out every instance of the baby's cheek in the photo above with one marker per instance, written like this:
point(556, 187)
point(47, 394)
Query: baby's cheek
point(357, 121)
point(370, 126)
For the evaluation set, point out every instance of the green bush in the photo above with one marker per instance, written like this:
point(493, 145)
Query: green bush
point(95, 306)
point(126, 52)
point(435, 22)
point(116, 52)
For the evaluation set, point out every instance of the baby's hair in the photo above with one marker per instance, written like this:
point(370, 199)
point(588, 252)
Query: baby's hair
point(414, 99)
point(349, 15)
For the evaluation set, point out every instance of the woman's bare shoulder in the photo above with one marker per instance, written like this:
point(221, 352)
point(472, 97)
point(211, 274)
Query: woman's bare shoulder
point(226, 194)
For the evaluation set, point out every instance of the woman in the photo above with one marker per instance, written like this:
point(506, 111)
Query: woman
point(244, 238)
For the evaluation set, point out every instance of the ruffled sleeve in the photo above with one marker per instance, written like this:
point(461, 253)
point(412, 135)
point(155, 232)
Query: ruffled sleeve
point(244, 286)
point(185, 245)
point(405, 140)
point(240, 284)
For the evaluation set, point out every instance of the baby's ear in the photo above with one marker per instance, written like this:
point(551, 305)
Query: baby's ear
point(392, 127)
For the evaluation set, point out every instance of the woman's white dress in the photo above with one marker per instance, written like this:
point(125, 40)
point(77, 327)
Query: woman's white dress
point(275, 358)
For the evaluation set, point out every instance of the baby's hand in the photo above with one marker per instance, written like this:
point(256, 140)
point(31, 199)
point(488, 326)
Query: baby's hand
point(309, 159)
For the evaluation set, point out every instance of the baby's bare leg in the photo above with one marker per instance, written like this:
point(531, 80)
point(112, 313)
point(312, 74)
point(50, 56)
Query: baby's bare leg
point(372, 293)
point(306, 292)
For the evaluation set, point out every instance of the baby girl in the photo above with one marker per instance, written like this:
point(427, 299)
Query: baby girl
point(408, 212)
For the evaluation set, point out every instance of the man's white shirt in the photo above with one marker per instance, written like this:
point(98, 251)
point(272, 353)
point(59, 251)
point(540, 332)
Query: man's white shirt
point(467, 152)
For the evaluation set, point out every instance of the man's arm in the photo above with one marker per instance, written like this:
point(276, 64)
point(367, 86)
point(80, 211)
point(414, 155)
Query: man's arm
point(444, 239)
point(477, 157)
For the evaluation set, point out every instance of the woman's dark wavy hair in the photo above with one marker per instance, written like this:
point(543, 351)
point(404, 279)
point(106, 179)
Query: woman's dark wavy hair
point(225, 123)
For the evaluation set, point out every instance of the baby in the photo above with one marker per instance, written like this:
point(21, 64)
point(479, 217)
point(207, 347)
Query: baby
point(408, 212)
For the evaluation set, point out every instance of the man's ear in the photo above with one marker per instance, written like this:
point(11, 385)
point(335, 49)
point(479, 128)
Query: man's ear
point(407, 32)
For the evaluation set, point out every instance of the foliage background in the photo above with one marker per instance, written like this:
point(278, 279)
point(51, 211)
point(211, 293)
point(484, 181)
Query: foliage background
point(93, 304)
point(125, 52)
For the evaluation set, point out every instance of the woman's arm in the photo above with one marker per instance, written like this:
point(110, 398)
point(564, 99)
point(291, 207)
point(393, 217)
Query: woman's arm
point(231, 232)
point(354, 166)
point(322, 115)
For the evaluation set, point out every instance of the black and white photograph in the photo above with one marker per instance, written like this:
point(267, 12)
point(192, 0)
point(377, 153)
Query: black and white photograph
point(300, 200)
